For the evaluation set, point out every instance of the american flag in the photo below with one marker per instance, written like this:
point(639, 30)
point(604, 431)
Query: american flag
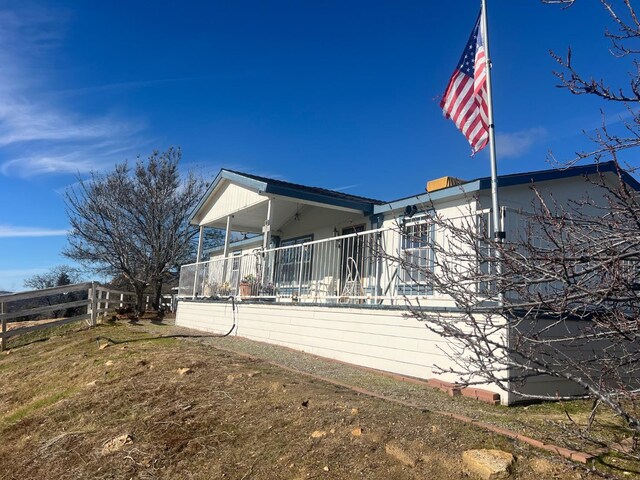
point(465, 100)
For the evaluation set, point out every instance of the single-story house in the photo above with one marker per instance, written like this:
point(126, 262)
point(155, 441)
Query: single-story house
point(309, 273)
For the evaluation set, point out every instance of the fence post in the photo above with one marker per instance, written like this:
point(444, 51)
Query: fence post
point(93, 299)
point(121, 300)
point(105, 314)
point(3, 341)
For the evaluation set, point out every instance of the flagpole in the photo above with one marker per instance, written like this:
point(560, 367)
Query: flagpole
point(495, 204)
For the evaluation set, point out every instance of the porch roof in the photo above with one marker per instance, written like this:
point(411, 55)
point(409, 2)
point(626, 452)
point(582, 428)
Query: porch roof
point(259, 189)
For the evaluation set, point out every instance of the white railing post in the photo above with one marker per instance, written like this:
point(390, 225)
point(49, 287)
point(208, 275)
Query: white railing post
point(300, 275)
point(195, 279)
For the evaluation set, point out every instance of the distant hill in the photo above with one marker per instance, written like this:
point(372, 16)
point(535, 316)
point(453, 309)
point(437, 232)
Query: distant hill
point(2, 292)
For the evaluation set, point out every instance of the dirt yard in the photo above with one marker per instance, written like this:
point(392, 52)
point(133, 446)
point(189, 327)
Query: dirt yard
point(180, 409)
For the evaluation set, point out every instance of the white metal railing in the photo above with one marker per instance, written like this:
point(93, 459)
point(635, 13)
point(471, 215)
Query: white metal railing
point(355, 268)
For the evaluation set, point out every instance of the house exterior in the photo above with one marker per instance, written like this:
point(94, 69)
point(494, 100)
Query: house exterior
point(331, 274)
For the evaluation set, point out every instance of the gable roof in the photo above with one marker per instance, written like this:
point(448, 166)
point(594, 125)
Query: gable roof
point(525, 178)
point(374, 206)
point(288, 189)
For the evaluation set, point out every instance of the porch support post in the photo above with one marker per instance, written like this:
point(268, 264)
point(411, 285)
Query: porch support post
point(227, 234)
point(200, 240)
point(225, 254)
point(266, 230)
point(266, 243)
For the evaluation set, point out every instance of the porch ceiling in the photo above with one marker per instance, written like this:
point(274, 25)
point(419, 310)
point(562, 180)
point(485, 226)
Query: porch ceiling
point(252, 218)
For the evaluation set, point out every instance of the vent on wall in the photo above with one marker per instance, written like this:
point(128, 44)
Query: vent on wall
point(443, 182)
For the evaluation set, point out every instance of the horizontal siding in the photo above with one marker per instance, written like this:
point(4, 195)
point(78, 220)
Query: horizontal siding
point(380, 339)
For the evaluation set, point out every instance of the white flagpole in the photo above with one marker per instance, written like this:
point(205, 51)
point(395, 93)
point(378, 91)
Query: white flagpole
point(497, 217)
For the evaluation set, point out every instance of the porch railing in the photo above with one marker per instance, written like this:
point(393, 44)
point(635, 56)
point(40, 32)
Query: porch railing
point(353, 268)
point(374, 266)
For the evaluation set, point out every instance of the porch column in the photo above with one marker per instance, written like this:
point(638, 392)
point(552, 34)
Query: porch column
point(227, 234)
point(225, 254)
point(266, 230)
point(200, 240)
point(266, 243)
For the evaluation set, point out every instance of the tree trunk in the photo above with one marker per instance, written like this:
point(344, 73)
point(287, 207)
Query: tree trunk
point(157, 295)
point(138, 288)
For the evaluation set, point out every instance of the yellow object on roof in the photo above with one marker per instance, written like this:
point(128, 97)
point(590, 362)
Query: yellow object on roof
point(442, 182)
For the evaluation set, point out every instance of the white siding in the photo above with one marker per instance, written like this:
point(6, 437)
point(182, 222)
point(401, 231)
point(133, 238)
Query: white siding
point(230, 199)
point(375, 338)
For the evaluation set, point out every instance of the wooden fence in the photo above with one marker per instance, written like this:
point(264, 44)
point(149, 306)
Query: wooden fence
point(99, 300)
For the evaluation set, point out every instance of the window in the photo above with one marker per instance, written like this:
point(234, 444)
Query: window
point(417, 257)
point(289, 261)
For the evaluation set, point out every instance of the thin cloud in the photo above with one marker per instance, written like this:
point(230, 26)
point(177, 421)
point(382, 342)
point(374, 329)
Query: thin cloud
point(49, 137)
point(83, 159)
point(346, 187)
point(13, 280)
point(516, 144)
point(10, 231)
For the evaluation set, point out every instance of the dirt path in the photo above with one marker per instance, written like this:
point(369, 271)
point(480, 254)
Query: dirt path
point(69, 409)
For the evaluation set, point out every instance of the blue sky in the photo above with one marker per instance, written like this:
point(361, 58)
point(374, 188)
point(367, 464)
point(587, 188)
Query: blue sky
point(339, 94)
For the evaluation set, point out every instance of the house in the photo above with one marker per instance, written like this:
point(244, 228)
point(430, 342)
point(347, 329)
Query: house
point(330, 273)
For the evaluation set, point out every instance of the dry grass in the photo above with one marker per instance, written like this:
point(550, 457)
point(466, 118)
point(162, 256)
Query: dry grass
point(64, 399)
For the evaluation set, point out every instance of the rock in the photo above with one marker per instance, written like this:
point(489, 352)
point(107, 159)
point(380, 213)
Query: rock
point(396, 451)
point(326, 468)
point(252, 374)
point(541, 466)
point(109, 363)
point(277, 387)
point(318, 434)
point(185, 371)
point(356, 432)
point(7, 352)
point(92, 384)
point(103, 346)
point(487, 464)
point(116, 443)
point(354, 411)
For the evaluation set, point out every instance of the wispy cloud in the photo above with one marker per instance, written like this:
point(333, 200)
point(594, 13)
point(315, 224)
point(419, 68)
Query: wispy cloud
point(516, 144)
point(13, 280)
point(49, 137)
point(12, 231)
point(346, 187)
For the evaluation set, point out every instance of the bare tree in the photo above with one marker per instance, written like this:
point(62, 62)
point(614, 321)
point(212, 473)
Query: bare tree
point(56, 277)
point(133, 222)
point(560, 298)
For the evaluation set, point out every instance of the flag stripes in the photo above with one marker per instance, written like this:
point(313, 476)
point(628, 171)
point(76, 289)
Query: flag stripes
point(465, 99)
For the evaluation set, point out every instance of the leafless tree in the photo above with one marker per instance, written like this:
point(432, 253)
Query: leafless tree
point(57, 276)
point(134, 222)
point(560, 298)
